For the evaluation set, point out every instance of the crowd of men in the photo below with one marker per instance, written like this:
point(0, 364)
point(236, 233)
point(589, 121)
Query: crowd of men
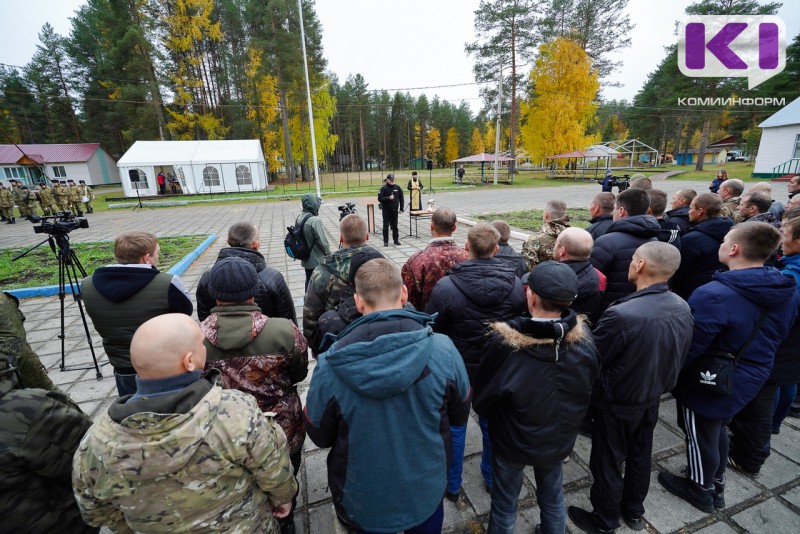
point(63, 196)
point(587, 328)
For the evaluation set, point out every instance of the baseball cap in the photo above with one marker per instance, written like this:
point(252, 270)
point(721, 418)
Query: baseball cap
point(553, 281)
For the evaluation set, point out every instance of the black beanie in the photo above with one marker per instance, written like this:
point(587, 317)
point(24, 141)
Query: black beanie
point(359, 258)
point(233, 280)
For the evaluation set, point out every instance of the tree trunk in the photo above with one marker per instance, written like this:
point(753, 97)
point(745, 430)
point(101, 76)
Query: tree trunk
point(363, 143)
point(701, 153)
point(512, 146)
point(287, 141)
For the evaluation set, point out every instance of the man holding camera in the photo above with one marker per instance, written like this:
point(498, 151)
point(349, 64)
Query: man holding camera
point(391, 198)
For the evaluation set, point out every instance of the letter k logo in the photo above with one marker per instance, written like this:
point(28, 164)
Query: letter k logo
point(718, 45)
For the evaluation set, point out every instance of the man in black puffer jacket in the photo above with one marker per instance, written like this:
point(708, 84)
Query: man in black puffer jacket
point(700, 246)
point(273, 296)
point(573, 248)
point(536, 426)
point(613, 251)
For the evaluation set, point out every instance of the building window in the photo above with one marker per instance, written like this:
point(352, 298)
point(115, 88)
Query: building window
point(210, 177)
point(8, 172)
point(14, 172)
point(243, 176)
point(142, 183)
point(797, 147)
point(59, 171)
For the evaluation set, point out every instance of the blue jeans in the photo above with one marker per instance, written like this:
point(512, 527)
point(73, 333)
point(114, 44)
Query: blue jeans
point(458, 437)
point(783, 403)
point(432, 525)
point(126, 384)
point(486, 455)
point(505, 496)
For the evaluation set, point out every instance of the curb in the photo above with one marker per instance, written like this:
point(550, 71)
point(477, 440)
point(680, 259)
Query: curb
point(177, 269)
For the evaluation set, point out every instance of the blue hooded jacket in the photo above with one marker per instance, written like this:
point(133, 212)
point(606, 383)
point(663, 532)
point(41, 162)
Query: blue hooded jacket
point(725, 311)
point(384, 397)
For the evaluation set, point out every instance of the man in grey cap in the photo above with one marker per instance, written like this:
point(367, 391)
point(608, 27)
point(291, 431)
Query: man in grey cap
point(391, 198)
point(536, 426)
point(636, 370)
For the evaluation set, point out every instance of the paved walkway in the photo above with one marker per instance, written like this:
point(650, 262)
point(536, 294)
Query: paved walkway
point(769, 504)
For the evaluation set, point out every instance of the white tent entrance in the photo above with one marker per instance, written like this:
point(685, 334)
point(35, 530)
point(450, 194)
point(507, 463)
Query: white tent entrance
point(198, 166)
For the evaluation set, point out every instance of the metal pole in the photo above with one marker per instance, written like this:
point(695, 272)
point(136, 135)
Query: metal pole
point(497, 132)
point(308, 93)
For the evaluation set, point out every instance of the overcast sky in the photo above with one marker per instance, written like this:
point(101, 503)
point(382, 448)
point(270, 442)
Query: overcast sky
point(416, 43)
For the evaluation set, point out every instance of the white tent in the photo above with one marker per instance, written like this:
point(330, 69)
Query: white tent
point(198, 166)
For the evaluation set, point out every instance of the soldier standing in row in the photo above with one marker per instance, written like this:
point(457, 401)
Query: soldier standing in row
point(29, 200)
point(47, 200)
point(60, 194)
point(86, 196)
point(6, 204)
point(16, 192)
point(74, 198)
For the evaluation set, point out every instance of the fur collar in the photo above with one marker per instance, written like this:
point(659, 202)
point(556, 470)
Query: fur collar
point(518, 340)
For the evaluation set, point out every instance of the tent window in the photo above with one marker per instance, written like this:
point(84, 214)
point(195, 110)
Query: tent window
point(211, 177)
point(181, 177)
point(142, 183)
point(243, 176)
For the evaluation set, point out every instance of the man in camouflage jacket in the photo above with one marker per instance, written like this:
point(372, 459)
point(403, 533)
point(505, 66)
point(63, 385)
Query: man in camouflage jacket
point(29, 199)
point(40, 431)
point(731, 194)
point(47, 200)
point(182, 454)
point(61, 194)
point(539, 246)
point(74, 197)
point(16, 192)
point(329, 284)
point(6, 204)
point(424, 268)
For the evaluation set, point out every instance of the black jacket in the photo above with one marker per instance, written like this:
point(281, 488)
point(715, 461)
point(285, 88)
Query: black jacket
point(512, 258)
point(473, 294)
point(680, 216)
point(670, 233)
point(273, 296)
point(700, 255)
point(613, 251)
point(636, 369)
point(534, 394)
point(391, 204)
point(600, 225)
point(589, 301)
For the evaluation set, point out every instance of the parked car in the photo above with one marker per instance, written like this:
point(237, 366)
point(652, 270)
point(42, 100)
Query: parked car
point(735, 155)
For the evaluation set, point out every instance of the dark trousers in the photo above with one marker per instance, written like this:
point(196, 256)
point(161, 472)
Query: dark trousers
point(706, 446)
point(432, 525)
point(621, 435)
point(752, 430)
point(284, 523)
point(390, 219)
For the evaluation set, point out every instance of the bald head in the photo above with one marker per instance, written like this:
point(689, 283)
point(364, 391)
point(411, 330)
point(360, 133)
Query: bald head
point(168, 345)
point(761, 187)
point(573, 244)
point(661, 259)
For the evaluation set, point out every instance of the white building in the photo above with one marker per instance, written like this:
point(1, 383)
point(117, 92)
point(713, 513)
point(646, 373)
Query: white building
point(779, 150)
point(80, 161)
point(198, 166)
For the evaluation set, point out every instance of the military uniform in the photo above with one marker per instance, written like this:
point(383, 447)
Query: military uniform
point(60, 193)
point(29, 199)
point(47, 200)
point(16, 191)
point(6, 205)
point(86, 192)
point(539, 246)
point(74, 198)
point(730, 209)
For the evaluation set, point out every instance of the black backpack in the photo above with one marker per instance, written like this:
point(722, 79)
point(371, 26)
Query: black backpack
point(294, 243)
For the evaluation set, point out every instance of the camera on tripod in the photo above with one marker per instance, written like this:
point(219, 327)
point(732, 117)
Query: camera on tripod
point(61, 224)
point(348, 209)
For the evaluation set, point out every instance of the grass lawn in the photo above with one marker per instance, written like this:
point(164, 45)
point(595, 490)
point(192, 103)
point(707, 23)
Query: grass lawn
point(736, 169)
point(40, 267)
point(532, 219)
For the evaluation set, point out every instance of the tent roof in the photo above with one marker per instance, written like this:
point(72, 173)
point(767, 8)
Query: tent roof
point(784, 117)
point(200, 152)
point(476, 158)
point(581, 154)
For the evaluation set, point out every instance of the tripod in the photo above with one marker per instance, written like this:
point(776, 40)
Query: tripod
point(138, 206)
point(68, 268)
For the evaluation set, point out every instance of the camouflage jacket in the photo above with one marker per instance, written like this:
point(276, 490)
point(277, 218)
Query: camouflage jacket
point(86, 191)
point(13, 343)
point(539, 246)
point(29, 199)
point(263, 356)
point(61, 193)
point(73, 193)
point(730, 209)
point(16, 192)
point(423, 269)
point(216, 464)
point(46, 197)
point(6, 198)
point(327, 287)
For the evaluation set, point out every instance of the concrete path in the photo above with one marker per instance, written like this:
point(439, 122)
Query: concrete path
point(768, 504)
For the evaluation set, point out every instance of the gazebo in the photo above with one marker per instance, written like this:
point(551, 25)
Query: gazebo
point(573, 170)
point(482, 158)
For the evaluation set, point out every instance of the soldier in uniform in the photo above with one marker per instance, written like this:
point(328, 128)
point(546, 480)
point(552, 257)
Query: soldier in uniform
point(16, 191)
point(182, 451)
point(74, 198)
point(539, 246)
point(86, 192)
point(46, 199)
point(6, 204)
point(61, 195)
point(29, 199)
point(731, 194)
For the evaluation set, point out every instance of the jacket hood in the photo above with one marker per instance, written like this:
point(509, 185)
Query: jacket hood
point(643, 226)
point(525, 332)
point(385, 368)
point(233, 327)
point(484, 282)
point(167, 440)
point(683, 211)
point(763, 286)
point(255, 258)
point(588, 281)
point(116, 288)
point(311, 203)
point(338, 263)
point(716, 227)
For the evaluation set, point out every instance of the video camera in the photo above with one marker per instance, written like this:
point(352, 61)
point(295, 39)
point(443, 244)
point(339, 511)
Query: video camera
point(60, 224)
point(620, 182)
point(348, 209)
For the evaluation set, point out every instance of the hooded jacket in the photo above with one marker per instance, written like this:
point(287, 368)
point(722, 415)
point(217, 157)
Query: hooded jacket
point(725, 311)
point(700, 255)
point(512, 258)
point(203, 459)
point(262, 356)
point(383, 398)
point(787, 357)
point(273, 298)
point(120, 298)
point(536, 425)
point(680, 216)
point(589, 300)
point(313, 231)
point(474, 294)
point(613, 251)
point(599, 225)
